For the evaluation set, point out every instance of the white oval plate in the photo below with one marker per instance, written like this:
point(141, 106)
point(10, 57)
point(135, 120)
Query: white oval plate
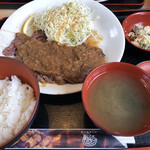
point(105, 22)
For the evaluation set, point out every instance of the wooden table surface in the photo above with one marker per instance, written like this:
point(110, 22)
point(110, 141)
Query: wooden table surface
point(146, 4)
point(7, 12)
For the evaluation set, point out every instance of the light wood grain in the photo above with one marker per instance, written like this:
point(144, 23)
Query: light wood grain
point(146, 4)
point(8, 12)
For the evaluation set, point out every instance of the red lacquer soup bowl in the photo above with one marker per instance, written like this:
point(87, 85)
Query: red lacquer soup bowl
point(116, 96)
point(145, 65)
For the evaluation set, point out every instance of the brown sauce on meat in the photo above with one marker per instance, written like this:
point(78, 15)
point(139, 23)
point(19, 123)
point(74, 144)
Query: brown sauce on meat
point(93, 41)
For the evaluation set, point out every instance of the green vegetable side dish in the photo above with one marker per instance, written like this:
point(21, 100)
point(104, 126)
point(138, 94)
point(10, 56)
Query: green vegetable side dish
point(69, 24)
point(140, 36)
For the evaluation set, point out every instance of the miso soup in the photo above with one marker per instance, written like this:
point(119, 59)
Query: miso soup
point(119, 102)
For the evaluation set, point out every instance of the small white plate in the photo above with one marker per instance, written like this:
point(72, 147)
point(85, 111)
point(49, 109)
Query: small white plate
point(105, 22)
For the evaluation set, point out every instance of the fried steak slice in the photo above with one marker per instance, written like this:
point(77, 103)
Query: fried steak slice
point(53, 62)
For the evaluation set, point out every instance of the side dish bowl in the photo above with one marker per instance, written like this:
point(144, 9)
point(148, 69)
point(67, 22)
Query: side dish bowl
point(145, 65)
point(10, 67)
point(114, 94)
point(139, 18)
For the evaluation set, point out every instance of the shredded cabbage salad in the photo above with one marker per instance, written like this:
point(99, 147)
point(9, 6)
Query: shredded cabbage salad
point(69, 24)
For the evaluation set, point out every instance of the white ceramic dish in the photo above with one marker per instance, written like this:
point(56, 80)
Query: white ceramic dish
point(105, 22)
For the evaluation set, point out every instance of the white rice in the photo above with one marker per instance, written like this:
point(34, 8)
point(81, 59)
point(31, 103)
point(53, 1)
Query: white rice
point(17, 102)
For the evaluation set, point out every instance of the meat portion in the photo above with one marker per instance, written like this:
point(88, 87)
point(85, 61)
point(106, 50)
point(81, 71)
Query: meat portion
point(10, 50)
point(19, 40)
point(61, 64)
point(39, 35)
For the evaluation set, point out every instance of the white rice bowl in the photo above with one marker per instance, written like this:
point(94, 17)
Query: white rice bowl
point(17, 102)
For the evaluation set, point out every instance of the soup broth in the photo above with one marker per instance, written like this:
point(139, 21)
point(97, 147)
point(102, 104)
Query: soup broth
point(119, 102)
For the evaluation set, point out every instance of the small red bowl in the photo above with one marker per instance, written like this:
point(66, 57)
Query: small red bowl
point(9, 67)
point(145, 65)
point(103, 119)
point(139, 18)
